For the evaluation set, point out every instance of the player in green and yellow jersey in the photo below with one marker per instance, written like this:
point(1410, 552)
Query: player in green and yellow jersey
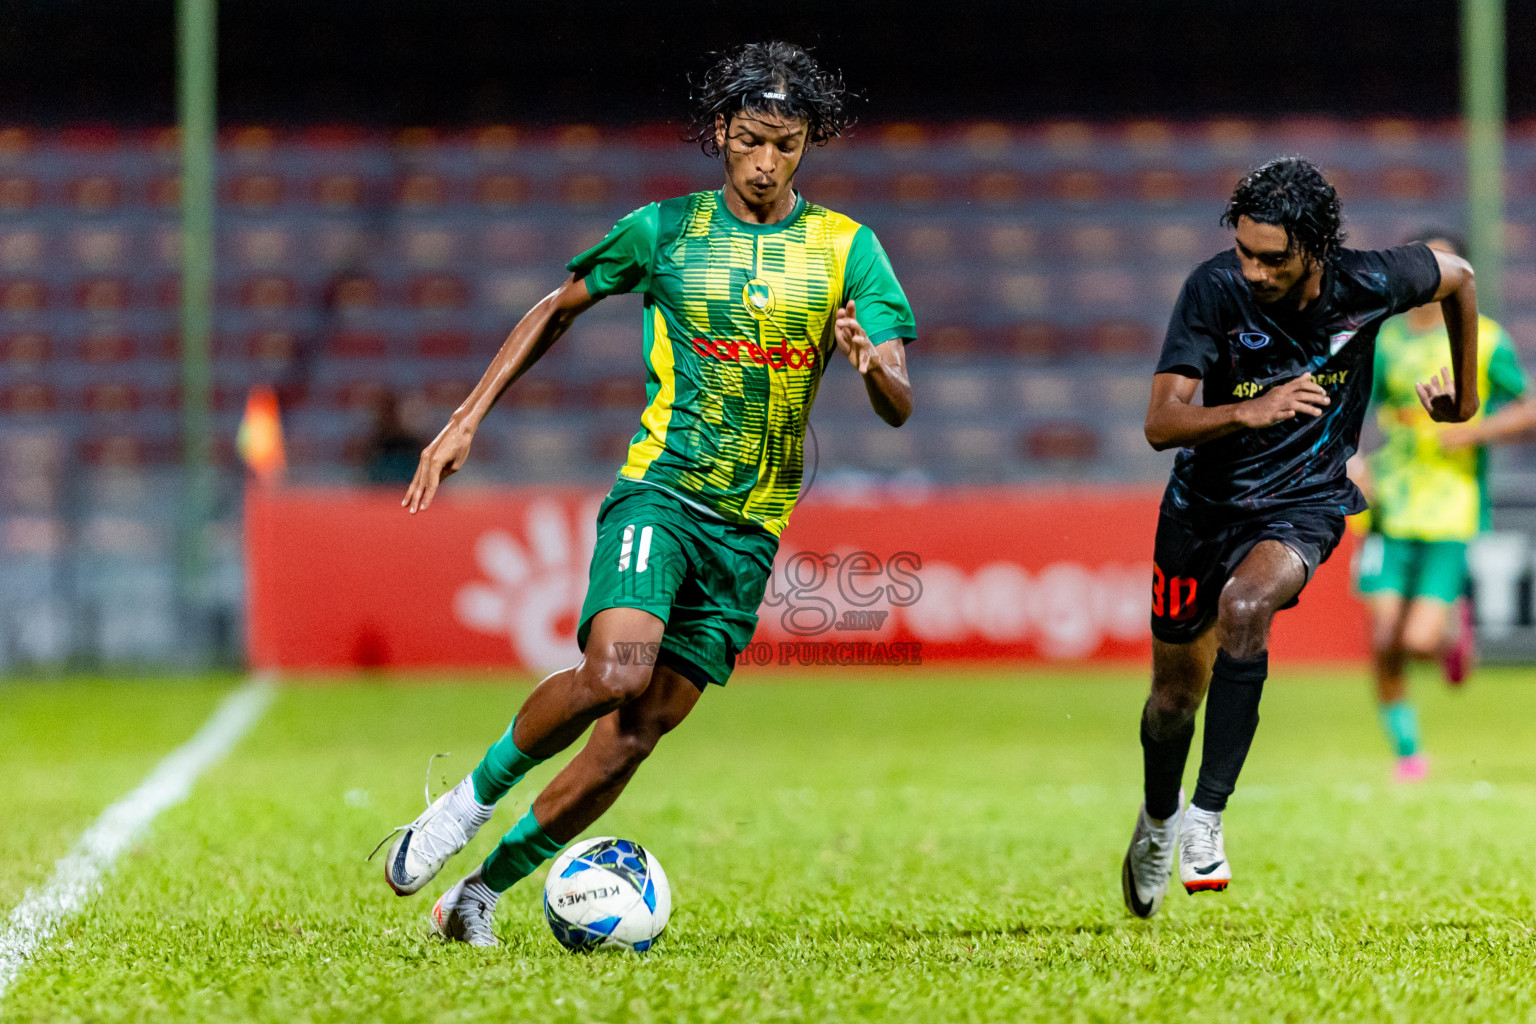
point(1428, 488)
point(749, 292)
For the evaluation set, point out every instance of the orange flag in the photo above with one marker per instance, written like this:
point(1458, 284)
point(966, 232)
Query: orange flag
point(260, 441)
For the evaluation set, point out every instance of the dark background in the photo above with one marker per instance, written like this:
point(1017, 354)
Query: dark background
point(399, 62)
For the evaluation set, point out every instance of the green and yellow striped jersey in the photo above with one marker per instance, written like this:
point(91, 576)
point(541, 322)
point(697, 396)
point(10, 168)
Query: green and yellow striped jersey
point(1423, 490)
point(738, 330)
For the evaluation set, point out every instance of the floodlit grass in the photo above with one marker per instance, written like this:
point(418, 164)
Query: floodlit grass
point(886, 846)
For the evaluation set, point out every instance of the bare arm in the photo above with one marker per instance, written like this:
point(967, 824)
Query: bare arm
point(1455, 401)
point(883, 366)
point(1510, 422)
point(1173, 422)
point(1359, 471)
point(540, 328)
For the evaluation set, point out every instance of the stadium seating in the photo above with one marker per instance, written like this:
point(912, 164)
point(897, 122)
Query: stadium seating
point(1042, 261)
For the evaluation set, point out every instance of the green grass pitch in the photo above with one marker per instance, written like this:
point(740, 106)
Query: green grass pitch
point(905, 845)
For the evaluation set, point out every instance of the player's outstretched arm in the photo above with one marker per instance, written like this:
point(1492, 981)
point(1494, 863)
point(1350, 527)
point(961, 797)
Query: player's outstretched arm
point(1455, 400)
point(883, 366)
point(1514, 421)
point(1173, 421)
point(540, 328)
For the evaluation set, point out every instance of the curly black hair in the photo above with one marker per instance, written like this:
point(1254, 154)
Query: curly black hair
point(1291, 193)
point(769, 78)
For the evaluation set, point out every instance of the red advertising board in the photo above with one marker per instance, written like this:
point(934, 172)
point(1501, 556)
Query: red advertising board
point(346, 578)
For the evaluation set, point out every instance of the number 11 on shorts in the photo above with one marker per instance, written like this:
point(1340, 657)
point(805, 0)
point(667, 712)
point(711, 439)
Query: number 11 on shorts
point(626, 547)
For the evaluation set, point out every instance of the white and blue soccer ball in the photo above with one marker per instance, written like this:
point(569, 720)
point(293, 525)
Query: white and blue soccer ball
point(607, 892)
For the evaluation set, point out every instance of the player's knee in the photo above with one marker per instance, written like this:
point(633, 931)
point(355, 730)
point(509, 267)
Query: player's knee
point(1421, 645)
point(1170, 709)
point(610, 682)
point(1244, 613)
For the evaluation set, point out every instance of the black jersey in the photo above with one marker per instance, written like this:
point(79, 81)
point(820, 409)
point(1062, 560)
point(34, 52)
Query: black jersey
point(1239, 349)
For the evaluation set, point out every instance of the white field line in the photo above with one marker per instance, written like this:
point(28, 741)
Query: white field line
point(77, 876)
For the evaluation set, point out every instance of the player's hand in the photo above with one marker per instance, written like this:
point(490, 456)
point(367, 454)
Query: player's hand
point(1438, 396)
point(441, 459)
point(1302, 396)
point(853, 341)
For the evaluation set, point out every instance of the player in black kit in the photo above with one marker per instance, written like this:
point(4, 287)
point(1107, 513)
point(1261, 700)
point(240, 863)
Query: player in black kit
point(1281, 332)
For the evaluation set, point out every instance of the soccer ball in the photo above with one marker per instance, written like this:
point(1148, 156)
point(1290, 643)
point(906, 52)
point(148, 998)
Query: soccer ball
point(607, 892)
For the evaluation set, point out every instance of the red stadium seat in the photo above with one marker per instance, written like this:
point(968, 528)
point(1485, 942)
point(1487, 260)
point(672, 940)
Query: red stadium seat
point(165, 191)
point(129, 451)
point(534, 393)
point(439, 291)
point(362, 394)
point(1000, 188)
point(107, 347)
point(269, 292)
point(256, 193)
point(17, 194)
point(273, 346)
point(15, 142)
point(251, 141)
point(1149, 136)
point(96, 193)
point(340, 191)
point(1410, 185)
point(448, 393)
point(1161, 186)
point(422, 191)
point(1036, 339)
point(495, 140)
point(955, 341)
point(502, 191)
point(443, 345)
point(1063, 441)
point(1081, 186)
point(22, 296)
point(103, 295)
point(28, 348)
point(916, 188)
point(113, 397)
point(1122, 338)
point(585, 190)
point(354, 292)
point(28, 400)
point(356, 345)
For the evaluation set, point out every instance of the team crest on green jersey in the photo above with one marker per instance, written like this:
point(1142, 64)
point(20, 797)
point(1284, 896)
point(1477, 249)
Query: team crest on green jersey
point(757, 296)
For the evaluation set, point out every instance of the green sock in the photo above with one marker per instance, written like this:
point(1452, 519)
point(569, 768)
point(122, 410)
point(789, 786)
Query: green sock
point(519, 852)
point(502, 767)
point(1400, 722)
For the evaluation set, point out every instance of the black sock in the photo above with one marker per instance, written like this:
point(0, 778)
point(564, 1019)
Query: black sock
point(1162, 767)
point(1231, 718)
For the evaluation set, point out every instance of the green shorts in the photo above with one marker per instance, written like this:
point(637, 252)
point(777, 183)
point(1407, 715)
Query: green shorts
point(704, 577)
point(1436, 569)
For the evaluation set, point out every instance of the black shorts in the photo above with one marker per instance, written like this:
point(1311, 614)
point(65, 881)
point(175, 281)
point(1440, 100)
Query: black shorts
point(1195, 555)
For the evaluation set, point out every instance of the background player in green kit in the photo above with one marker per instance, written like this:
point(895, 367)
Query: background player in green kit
point(1428, 489)
point(748, 293)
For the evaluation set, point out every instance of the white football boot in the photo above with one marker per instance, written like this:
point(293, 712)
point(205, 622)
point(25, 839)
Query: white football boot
point(441, 831)
point(1203, 863)
point(1149, 862)
point(463, 913)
